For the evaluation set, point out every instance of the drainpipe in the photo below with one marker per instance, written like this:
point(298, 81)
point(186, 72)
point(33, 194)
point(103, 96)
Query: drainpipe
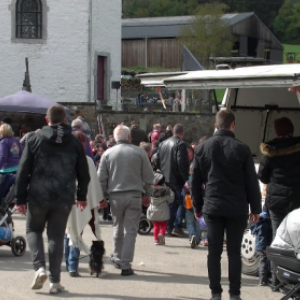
point(146, 52)
point(90, 50)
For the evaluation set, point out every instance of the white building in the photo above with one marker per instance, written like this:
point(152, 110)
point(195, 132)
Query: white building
point(73, 48)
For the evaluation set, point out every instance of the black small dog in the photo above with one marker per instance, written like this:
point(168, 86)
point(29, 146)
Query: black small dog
point(96, 257)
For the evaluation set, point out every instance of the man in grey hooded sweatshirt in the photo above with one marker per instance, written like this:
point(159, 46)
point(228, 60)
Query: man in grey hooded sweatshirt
point(125, 173)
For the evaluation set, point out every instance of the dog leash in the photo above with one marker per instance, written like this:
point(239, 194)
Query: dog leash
point(84, 256)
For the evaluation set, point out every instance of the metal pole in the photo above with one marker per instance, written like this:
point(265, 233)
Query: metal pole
point(183, 100)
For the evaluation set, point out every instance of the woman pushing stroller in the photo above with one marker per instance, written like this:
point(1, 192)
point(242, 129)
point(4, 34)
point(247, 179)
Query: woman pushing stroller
point(10, 154)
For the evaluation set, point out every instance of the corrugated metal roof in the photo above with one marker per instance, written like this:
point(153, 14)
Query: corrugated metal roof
point(167, 27)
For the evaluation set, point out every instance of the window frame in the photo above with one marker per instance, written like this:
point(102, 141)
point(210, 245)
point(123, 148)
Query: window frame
point(38, 16)
point(44, 22)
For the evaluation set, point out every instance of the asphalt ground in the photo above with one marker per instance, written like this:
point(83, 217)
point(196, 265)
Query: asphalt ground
point(173, 271)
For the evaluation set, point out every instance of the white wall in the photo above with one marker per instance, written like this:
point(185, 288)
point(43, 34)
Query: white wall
point(58, 67)
point(107, 38)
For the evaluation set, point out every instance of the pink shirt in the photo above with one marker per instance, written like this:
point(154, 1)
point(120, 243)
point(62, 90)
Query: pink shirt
point(155, 135)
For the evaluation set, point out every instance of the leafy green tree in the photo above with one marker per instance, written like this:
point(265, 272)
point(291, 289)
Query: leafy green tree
point(287, 23)
point(208, 35)
point(266, 10)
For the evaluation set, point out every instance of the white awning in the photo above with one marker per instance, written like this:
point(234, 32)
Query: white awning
point(156, 79)
point(287, 75)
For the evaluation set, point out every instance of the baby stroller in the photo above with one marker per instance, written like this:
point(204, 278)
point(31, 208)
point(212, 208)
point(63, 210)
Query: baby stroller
point(287, 271)
point(145, 225)
point(17, 244)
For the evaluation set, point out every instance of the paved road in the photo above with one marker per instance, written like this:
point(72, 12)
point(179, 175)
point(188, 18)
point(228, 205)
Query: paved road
point(171, 272)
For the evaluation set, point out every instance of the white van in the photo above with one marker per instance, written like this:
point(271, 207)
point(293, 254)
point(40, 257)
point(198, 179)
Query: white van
point(257, 96)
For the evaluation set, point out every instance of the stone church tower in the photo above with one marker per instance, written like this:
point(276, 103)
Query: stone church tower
point(73, 47)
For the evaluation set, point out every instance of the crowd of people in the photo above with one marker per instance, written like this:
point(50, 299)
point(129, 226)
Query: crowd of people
point(212, 182)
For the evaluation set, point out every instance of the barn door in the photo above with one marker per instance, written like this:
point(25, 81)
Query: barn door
point(101, 77)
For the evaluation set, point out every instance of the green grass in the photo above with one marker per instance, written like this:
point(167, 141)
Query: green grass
point(220, 93)
point(291, 49)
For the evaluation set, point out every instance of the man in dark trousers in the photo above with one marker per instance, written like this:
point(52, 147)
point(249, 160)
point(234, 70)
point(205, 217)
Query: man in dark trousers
point(52, 161)
point(137, 135)
point(172, 160)
point(223, 184)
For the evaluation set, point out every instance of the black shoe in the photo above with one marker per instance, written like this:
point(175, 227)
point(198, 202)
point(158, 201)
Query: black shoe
point(235, 297)
point(178, 232)
point(74, 274)
point(112, 260)
point(127, 272)
point(216, 297)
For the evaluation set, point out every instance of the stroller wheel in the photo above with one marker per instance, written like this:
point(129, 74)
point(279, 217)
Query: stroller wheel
point(18, 246)
point(145, 226)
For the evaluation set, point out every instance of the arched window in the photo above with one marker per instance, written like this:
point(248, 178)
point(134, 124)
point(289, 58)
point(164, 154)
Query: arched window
point(29, 19)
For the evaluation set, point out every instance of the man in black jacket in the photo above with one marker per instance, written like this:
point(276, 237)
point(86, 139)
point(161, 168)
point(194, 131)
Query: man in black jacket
point(137, 135)
point(165, 135)
point(51, 163)
point(172, 160)
point(224, 183)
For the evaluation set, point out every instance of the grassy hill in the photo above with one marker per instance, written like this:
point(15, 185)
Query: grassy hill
point(291, 49)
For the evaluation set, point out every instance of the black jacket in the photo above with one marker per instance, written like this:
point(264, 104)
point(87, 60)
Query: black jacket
point(224, 181)
point(172, 160)
point(280, 170)
point(138, 135)
point(165, 135)
point(50, 165)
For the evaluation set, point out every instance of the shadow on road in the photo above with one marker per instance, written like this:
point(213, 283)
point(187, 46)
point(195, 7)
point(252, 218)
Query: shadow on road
point(162, 277)
point(67, 295)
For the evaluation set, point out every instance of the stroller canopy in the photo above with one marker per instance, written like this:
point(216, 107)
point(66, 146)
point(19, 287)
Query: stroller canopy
point(287, 235)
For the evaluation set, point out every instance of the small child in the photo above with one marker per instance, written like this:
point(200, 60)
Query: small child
point(192, 224)
point(263, 231)
point(158, 211)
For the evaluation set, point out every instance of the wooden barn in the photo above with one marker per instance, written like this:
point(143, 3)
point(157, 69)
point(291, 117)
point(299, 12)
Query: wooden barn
point(153, 42)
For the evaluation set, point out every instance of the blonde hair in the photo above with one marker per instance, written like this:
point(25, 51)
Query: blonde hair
point(6, 131)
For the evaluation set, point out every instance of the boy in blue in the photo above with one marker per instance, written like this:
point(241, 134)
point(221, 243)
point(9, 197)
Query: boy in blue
point(192, 224)
point(263, 232)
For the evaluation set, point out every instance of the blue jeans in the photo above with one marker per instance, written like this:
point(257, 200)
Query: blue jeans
point(177, 209)
point(192, 225)
point(71, 255)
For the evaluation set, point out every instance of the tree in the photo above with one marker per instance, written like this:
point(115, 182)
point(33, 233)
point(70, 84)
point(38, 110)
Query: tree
point(287, 23)
point(208, 35)
point(266, 10)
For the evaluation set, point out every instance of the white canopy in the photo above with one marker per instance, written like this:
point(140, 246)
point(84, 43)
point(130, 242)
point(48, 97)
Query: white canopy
point(286, 75)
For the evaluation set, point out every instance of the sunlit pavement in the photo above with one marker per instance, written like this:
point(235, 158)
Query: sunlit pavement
point(173, 271)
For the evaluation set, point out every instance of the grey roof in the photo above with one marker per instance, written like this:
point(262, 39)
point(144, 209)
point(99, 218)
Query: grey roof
point(167, 27)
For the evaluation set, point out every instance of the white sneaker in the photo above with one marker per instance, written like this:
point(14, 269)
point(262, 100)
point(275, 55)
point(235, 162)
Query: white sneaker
point(193, 242)
point(56, 288)
point(39, 279)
